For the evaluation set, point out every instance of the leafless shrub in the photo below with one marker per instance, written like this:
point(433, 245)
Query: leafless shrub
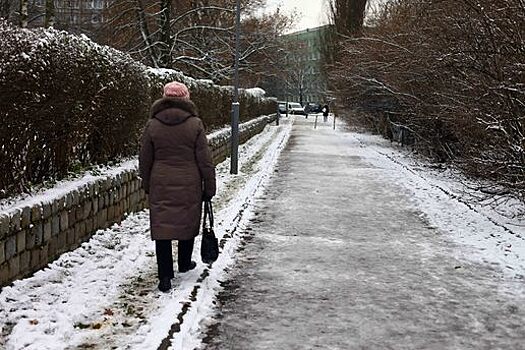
point(451, 72)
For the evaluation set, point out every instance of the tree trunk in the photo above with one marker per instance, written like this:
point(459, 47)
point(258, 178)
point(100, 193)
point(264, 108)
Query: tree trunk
point(23, 13)
point(348, 15)
point(165, 34)
point(145, 33)
point(49, 20)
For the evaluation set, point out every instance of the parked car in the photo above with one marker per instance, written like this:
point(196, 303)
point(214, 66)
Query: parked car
point(282, 107)
point(295, 108)
point(314, 108)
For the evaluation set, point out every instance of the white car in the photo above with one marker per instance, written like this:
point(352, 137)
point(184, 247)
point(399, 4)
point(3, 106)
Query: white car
point(295, 108)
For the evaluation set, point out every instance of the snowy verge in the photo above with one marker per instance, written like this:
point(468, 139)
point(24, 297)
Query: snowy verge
point(449, 203)
point(103, 294)
point(63, 187)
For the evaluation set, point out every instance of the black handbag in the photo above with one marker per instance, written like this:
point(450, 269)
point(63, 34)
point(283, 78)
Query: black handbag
point(209, 243)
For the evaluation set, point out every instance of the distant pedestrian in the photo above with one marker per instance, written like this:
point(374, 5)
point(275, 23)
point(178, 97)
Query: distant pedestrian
point(307, 109)
point(177, 172)
point(325, 111)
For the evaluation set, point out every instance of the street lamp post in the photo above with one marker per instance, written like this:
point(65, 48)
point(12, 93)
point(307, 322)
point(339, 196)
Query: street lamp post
point(235, 105)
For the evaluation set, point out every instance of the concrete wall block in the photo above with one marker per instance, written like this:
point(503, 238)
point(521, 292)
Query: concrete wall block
point(53, 248)
point(111, 212)
point(69, 200)
point(82, 229)
point(103, 218)
point(89, 225)
point(55, 225)
point(70, 236)
point(25, 259)
point(96, 188)
point(35, 258)
point(30, 239)
point(54, 206)
point(95, 205)
point(79, 213)
point(46, 210)
point(48, 230)
point(4, 274)
point(78, 234)
point(90, 190)
point(64, 220)
point(133, 199)
point(38, 231)
point(15, 220)
point(75, 198)
point(4, 226)
point(2, 252)
point(14, 266)
point(36, 212)
point(62, 241)
point(87, 209)
point(105, 201)
point(72, 217)
point(25, 218)
point(44, 255)
point(61, 203)
point(109, 184)
point(20, 241)
point(10, 247)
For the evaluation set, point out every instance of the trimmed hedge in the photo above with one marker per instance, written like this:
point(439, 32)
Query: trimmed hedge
point(67, 102)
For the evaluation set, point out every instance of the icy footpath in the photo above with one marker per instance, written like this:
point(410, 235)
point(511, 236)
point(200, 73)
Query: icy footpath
point(103, 295)
point(492, 231)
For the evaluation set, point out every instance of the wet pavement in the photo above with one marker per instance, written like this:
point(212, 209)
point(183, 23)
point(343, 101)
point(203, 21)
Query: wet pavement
point(338, 257)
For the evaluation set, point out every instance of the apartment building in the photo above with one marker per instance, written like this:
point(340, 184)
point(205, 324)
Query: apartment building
point(304, 53)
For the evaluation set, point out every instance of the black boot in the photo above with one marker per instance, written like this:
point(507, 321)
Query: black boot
point(165, 284)
point(183, 269)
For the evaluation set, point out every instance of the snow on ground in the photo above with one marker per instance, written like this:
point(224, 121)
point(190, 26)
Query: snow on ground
point(450, 203)
point(104, 294)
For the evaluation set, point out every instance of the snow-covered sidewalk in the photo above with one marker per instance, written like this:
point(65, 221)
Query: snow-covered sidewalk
point(103, 295)
point(353, 247)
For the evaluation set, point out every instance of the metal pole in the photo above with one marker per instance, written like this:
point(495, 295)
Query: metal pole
point(315, 124)
point(278, 115)
point(235, 104)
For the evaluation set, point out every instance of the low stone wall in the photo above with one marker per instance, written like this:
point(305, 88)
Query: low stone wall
point(33, 236)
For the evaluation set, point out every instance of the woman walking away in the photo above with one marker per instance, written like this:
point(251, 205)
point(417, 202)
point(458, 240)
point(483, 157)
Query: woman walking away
point(177, 172)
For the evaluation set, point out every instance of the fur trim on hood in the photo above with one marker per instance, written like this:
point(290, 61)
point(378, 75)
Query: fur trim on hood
point(172, 111)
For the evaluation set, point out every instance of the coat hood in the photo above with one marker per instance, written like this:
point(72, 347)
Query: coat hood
point(173, 111)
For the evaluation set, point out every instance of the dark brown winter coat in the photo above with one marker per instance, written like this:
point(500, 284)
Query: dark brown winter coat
point(176, 168)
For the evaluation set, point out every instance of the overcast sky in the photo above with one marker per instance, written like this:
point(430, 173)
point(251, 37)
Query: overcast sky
point(310, 13)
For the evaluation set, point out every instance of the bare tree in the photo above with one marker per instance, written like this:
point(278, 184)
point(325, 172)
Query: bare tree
point(49, 20)
point(449, 74)
point(23, 13)
point(193, 36)
point(348, 15)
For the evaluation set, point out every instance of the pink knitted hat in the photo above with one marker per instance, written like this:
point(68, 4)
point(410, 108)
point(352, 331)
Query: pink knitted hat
point(176, 89)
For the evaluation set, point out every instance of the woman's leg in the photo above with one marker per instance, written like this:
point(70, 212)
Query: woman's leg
point(164, 258)
point(184, 256)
